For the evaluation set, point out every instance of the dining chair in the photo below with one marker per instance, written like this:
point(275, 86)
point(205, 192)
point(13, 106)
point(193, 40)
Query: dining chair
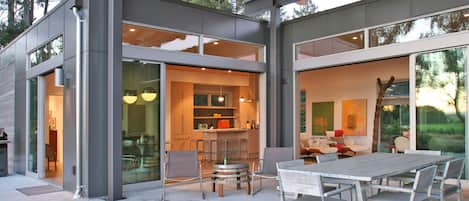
point(267, 166)
point(326, 158)
point(409, 176)
point(329, 182)
point(453, 170)
point(181, 167)
point(420, 191)
point(307, 185)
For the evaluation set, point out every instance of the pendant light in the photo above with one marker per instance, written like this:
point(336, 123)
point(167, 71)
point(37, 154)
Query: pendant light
point(130, 96)
point(149, 94)
point(221, 98)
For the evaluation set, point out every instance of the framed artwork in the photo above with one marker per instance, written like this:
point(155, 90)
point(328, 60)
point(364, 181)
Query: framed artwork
point(303, 111)
point(354, 117)
point(323, 117)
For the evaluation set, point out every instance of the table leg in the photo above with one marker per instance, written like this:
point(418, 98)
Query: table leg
point(361, 190)
point(238, 182)
point(248, 186)
point(220, 190)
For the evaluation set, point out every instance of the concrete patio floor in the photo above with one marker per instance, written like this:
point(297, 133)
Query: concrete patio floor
point(8, 186)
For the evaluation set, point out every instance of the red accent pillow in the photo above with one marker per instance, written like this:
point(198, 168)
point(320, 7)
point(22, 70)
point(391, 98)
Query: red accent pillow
point(339, 133)
point(340, 146)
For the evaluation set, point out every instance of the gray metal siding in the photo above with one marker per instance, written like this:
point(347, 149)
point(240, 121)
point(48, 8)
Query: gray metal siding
point(175, 16)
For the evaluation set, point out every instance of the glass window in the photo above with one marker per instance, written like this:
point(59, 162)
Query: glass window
point(33, 125)
point(45, 52)
point(441, 101)
point(421, 28)
point(141, 122)
point(398, 89)
point(155, 38)
point(302, 8)
point(233, 6)
point(218, 100)
point(343, 43)
point(394, 123)
point(201, 100)
point(237, 50)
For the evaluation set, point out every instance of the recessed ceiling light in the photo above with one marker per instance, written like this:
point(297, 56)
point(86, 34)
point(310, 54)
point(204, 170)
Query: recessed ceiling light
point(216, 43)
point(355, 38)
point(466, 14)
point(132, 30)
point(203, 68)
point(229, 71)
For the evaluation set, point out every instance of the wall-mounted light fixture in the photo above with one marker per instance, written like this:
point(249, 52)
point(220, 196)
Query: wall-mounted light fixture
point(149, 94)
point(130, 96)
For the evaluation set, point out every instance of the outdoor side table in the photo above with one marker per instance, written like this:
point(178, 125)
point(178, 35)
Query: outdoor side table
point(234, 173)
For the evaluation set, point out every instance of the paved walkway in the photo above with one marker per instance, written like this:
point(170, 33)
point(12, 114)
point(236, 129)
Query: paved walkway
point(8, 186)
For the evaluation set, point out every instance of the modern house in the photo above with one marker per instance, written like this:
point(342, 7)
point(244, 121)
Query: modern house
point(94, 93)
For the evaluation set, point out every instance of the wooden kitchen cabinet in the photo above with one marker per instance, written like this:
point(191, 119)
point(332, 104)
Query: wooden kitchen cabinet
point(182, 115)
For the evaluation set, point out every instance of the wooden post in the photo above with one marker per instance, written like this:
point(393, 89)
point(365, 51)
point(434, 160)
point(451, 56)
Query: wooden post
point(379, 102)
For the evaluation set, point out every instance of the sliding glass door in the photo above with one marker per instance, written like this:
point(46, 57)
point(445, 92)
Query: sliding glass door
point(441, 101)
point(141, 122)
point(32, 123)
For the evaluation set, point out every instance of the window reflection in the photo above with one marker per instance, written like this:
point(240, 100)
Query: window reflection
point(45, 52)
point(422, 28)
point(242, 51)
point(155, 38)
point(441, 101)
point(141, 122)
point(33, 122)
point(343, 43)
point(302, 8)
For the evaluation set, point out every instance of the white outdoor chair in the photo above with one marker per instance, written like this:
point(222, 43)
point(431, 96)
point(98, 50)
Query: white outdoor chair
point(305, 184)
point(453, 170)
point(420, 191)
point(402, 143)
point(267, 168)
point(181, 167)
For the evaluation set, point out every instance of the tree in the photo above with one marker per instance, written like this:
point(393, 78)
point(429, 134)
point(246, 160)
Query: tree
point(229, 5)
point(44, 4)
point(11, 13)
point(449, 71)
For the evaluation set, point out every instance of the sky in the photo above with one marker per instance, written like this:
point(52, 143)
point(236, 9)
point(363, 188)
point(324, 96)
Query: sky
point(38, 10)
point(321, 4)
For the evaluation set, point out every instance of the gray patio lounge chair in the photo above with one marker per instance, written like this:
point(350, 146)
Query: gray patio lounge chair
point(453, 170)
point(267, 166)
point(421, 189)
point(182, 166)
point(305, 184)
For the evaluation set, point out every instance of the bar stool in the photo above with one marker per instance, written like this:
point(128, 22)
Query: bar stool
point(206, 149)
point(243, 149)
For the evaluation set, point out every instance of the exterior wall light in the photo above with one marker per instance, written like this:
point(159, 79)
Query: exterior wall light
point(149, 94)
point(130, 96)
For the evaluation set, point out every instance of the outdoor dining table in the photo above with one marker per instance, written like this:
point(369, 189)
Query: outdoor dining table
point(362, 170)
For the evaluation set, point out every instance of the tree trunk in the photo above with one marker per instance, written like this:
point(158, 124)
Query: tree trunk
point(11, 13)
point(27, 13)
point(379, 102)
point(46, 6)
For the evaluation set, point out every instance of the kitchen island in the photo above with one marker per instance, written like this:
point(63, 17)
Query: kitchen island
point(237, 143)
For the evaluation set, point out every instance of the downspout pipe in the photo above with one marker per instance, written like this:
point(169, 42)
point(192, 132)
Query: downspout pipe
point(79, 193)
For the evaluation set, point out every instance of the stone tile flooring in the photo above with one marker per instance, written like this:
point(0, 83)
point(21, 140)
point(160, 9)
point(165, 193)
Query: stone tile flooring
point(190, 192)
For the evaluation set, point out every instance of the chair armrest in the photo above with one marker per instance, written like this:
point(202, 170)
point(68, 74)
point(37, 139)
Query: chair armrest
point(337, 191)
point(392, 188)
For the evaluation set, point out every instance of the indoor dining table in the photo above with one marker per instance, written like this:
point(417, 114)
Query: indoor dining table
point(362, 170)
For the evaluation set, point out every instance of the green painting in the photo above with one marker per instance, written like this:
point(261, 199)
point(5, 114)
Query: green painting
point(323, 117)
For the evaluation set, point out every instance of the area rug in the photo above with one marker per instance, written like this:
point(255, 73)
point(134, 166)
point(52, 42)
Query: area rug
point(38, 190)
